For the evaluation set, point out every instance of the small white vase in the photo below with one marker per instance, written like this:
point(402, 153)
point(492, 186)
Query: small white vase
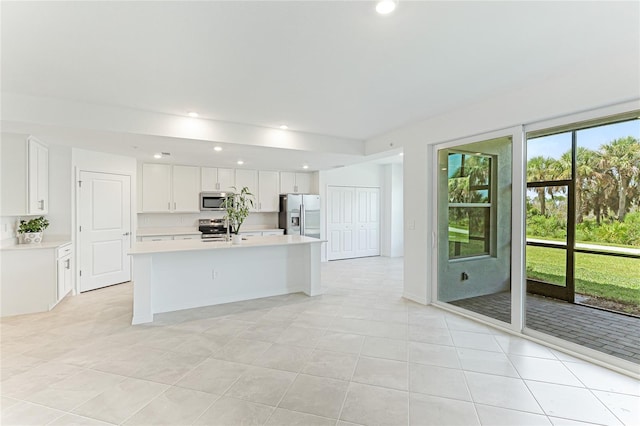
point(32, 237)
point(236, 239)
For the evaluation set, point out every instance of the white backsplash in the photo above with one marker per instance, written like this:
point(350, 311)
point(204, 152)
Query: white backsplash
point(8, 230)
point(190, 220)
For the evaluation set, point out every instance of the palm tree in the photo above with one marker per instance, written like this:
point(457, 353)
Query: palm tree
point(621, 160)
point(541, 169)
point(586, 165)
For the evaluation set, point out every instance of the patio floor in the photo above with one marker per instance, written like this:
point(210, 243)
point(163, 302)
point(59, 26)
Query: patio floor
point(605, 331)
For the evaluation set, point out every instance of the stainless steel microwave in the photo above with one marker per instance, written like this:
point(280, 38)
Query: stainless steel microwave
point(212, 200)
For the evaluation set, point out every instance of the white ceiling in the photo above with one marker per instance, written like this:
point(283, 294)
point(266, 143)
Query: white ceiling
point(323, 67)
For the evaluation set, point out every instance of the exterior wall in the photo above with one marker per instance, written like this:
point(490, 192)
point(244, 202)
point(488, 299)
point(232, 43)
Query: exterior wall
point(487, 275)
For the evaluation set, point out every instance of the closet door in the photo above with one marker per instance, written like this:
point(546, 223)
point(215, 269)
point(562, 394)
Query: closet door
point(368, 222)
point(341, 222)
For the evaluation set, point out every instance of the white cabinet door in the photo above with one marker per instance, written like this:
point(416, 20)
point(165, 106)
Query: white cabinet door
point(368, 222)
point(65, 276)
point(156, 188)
point(268, 200)
point(249, 179)
point(226, 179)
point(186, 188)
point(209, 179)
point(38, 177)
point(341, 223)
point(303, 183)
point(287, 182)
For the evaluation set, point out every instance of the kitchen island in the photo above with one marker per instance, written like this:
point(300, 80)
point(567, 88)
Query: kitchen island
point(183, 274)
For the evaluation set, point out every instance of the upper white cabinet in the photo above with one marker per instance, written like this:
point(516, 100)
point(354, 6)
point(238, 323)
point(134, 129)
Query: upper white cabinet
point(25, 175)
point(38, 177)
point(268, 191)
point(217, 179)
point(248, 178)
point(168, 188)
point(291, 182)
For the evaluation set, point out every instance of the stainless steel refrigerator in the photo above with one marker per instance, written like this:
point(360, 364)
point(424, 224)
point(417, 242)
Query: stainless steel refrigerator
point(300, 214)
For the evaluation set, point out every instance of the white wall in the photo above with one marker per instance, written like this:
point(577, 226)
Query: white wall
point(60, 190)
point(392, 211)
point(594, 85)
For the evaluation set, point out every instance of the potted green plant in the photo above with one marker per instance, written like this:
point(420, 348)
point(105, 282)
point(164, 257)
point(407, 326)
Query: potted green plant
point(237, 206)
point(31, 230)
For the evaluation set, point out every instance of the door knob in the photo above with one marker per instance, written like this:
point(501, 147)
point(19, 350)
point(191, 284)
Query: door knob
point(125, 234)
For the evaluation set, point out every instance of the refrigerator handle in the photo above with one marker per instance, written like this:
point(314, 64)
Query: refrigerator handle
point(302, 219)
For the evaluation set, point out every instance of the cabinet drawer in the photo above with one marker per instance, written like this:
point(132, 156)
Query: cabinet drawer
point(187, 237)
point(158, 238)
point(64, 251)
point(251, 234)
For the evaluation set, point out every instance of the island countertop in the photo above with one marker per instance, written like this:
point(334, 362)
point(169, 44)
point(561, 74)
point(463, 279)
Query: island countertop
point(149, 247)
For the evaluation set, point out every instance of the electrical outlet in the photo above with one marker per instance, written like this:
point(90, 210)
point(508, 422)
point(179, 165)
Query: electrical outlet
point(214, 274)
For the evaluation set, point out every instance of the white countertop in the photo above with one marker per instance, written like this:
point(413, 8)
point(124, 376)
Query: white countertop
point(42, 245)
point(191, 245)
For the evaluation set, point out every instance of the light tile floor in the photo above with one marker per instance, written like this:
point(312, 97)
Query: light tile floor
point(359, 354)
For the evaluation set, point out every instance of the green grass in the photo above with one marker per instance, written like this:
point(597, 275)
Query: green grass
point(613, 278)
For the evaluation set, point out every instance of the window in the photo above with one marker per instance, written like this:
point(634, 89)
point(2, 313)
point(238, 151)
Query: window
point(469, 194)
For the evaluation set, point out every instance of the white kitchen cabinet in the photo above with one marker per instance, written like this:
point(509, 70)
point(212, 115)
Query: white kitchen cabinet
point(157, 238)
point(38, 177)
point(292, 183)
point(25, 175)
point(34, 279)
point(217, 179)
point(65, 271)
point(186, 188)
point(268, 200)
point(251, 234)
point(167, 188)
point(249, 179)
point(187, 237)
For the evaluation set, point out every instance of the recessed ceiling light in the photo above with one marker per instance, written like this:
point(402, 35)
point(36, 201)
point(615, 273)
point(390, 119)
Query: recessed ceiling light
point(401, 154)
point(240, 162)
point(284, 127)
point(157, 155)
point(217, 148)
point(384, 7)
point(194, 114)
point(305, 166)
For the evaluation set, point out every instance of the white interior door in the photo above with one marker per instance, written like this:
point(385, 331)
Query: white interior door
point(368, 222)
point(341, 223)
point(353, 224)
point(105, 229)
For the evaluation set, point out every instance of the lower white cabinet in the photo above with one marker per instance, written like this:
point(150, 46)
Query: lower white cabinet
point(171, 237)
point(35, 279)
point(65, 270)
point(157, 238)
point(187, 237)
point(262, 233)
